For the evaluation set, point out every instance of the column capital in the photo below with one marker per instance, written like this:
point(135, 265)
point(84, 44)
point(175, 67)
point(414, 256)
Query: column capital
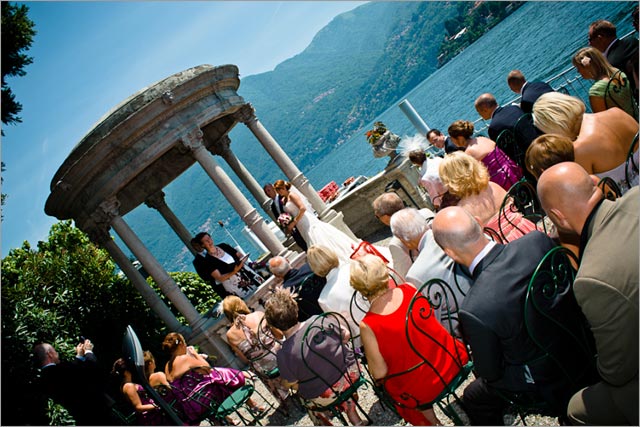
point(246, 114)
point(98, 233)
point(156, 200)
point(222, 147)
point(106, 211)
point(192, 140)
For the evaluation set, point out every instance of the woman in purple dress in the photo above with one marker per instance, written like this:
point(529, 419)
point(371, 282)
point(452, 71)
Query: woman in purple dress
point(199, 386)
point(502, 169)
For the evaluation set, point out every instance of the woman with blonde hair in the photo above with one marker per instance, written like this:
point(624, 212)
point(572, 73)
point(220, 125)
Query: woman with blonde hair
point(387, 347)
point(611, 88)
point(502, 169)
point(336, 294)
point(254, 342)
point(468, 179)
point(601, 141)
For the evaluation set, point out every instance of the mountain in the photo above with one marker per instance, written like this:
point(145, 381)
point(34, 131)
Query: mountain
point(353, 69)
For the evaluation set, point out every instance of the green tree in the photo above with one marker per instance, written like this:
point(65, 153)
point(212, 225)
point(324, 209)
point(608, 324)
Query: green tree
point(65, 288)
point(17, 36)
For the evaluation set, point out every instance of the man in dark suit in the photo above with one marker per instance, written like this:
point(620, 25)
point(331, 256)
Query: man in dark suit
point(76, 385)
point(529, 91)
point(277, 208)
point(622, 54)
point(303, 282)
point(437, 139)
point(506, 118)
point(606, 287)
point(491, 317)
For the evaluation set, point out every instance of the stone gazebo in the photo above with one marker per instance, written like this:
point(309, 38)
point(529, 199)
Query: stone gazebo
point(145, 143)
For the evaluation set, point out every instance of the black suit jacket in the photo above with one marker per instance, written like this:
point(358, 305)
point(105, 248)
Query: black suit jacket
point(308, 292)
point(79, 387)
point(531, 91)
point(506, 118)
point(492, 323)
point(205, 265)
point(491, 315)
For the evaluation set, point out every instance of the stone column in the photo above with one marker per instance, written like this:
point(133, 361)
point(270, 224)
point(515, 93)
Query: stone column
point(108, 211)
point(222, 148)
point(156, 201)
point(193, 142)
point(247, 116)
point(99, 233)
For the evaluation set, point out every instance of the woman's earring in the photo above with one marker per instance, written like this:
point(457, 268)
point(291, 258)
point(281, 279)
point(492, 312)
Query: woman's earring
point(177, 342)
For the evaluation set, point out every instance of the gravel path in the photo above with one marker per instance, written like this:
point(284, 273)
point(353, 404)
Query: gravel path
point(373, 407)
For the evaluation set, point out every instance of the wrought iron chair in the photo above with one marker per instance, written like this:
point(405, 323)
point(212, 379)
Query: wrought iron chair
point(433, 295)
point(523, 198)
point(328, 329)
point(507, 142)
point(308, 292)
point(550, 305)
point(134, 357)
point(631, 166)
point(609, 188)
point(493, 234)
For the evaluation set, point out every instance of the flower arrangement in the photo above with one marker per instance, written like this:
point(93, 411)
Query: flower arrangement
point(284, 219)
point(376, 133)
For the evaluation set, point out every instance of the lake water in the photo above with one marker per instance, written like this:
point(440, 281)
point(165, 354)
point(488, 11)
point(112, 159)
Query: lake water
point(539, 39)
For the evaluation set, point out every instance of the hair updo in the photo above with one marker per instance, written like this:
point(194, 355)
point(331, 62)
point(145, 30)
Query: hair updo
point(282, 184)
point(172, 341)
point(462, 128)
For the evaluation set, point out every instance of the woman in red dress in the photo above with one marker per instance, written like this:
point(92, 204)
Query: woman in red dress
point(388, 350)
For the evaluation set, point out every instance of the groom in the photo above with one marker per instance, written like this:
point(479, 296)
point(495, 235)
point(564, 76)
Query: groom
point(277, 208)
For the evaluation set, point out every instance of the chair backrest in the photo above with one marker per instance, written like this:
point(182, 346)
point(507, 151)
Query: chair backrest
point(609, 188)
point(521, 197)
point(507, 142)
point(555, 322)
point(264, 361)
point(134, 358)
point(631, 165)
point(327, 351)
point(493, 234)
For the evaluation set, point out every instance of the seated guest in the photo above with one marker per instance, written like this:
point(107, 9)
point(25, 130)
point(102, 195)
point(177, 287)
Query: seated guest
point(388, 350)
point(468, 179)
point(529, 91)
point(302, 282)
point(505, 357)
point(606, 288)
point(431, 182)
point(225, 265)
point(256, 347)
point(336, 294)
point(547, 150)
point(194, 381)
point(505, 118)
point(331, 357)
point(432, 263)
point(148, 413)
point(601, 140)
point(438, 140)
point(621, 53)
point(502, 169)
point(612, 87)
point(384, 206)
point(77, 385)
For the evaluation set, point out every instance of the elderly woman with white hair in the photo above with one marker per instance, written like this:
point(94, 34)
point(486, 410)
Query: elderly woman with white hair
point(601, 140)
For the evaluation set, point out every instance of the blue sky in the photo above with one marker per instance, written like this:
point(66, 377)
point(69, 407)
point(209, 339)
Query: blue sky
point(90, 56)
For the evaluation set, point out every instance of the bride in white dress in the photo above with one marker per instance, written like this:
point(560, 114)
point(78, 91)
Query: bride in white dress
point(314, 231)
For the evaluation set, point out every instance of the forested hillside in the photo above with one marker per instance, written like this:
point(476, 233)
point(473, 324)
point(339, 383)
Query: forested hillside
point(354, 69)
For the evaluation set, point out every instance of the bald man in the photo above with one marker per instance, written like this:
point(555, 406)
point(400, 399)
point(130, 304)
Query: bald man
point(606, 287)
point(492, 316)
point(303, 282)
point(505, 118)
point(529, 91)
